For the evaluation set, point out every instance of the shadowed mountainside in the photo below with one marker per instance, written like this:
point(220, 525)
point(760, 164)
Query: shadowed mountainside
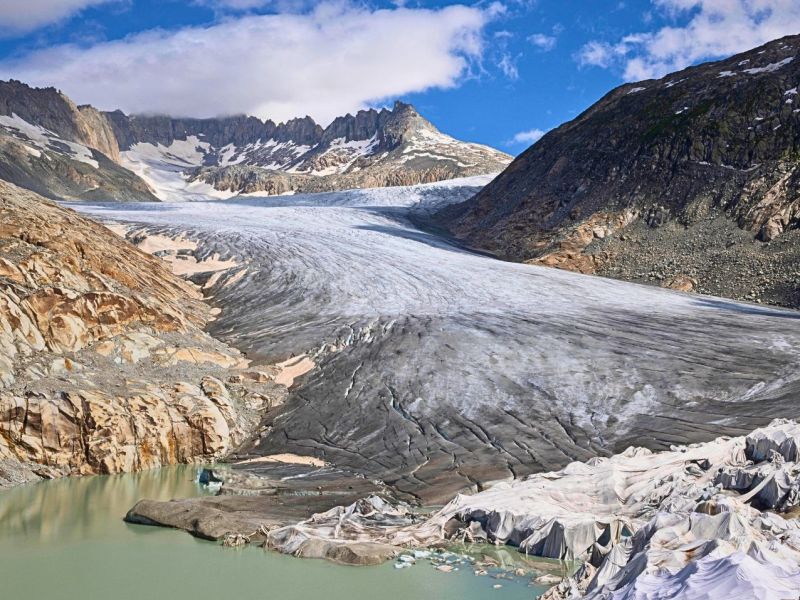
point(691, 181)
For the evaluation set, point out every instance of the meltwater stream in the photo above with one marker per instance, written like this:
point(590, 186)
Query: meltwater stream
point(66, 539)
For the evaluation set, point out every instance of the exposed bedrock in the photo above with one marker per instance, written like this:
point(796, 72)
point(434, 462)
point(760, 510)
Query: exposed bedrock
point(440, 370)
point(104, 364)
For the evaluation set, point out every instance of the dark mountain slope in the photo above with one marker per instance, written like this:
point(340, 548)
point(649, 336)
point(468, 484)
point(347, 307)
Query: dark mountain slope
point(691, 181)
point(60, 150)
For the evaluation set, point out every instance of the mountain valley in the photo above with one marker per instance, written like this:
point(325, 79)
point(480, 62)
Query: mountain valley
point(571, 375)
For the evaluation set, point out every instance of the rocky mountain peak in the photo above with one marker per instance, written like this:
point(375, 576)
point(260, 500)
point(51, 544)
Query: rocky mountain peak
point(400, 106)
point(403, 122)
point(47, 107)
point(304, 131)
point(383, 125)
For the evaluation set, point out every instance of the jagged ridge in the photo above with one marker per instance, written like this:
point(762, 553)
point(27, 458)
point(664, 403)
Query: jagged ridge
point(65, 151)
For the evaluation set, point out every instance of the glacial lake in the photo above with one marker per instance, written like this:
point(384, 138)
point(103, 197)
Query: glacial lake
point(65, 539)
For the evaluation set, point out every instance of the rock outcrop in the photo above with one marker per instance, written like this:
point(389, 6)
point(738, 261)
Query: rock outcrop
point(695, 174)
point(104, 364)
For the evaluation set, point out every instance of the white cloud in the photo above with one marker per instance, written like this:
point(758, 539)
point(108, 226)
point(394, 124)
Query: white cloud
point(19, 17)
point(596, 54)
point(527, 137)
point(248, 5)
point(602, 54)
point(542, 41)
point(711, 29)
point(507, 64)
point(337, 58)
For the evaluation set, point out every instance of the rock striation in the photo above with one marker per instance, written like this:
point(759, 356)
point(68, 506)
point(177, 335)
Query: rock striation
point(64, 151)
point(692, 176)
point(104, 364)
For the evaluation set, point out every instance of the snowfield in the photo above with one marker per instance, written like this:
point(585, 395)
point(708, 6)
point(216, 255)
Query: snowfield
point(440, 369)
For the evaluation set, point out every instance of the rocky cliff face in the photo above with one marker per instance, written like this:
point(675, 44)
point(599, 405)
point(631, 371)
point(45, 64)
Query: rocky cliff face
point(64, 151)
point(236, 131)
point(104, 366)
point(55, 148)
point(690, 181)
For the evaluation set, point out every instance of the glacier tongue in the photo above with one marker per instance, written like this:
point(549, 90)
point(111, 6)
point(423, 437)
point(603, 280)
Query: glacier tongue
point(440, 371)
point(479, 370)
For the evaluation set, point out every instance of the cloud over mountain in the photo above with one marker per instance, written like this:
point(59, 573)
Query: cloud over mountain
point(330, 60)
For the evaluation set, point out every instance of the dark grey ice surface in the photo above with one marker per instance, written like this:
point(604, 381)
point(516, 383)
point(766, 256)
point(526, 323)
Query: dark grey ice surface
point(439, 369)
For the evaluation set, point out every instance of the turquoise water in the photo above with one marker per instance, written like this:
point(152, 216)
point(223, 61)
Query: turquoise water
point(66, 539)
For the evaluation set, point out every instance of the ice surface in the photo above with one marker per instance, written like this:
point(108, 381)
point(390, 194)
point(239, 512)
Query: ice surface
point(646, 526)
point(433, 359)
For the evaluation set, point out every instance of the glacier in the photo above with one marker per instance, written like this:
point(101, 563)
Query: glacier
point(441, 370)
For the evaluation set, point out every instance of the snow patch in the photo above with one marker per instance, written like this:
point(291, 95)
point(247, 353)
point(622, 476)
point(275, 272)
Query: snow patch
point(45, 139)
point(770, 67)
point(164, 168)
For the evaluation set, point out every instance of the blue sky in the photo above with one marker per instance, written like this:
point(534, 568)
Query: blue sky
point(496, 72)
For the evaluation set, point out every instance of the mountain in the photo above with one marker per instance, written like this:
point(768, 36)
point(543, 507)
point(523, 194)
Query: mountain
point(691, 181)
point(60, 150)
point(64, 151)
point(224, 157)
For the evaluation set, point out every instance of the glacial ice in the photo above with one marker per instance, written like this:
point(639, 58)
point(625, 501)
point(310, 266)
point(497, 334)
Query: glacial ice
point(646, 526)
point(446, 370)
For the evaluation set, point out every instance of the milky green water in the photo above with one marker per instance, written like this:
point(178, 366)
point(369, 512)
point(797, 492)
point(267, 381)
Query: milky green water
point(66, 539)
